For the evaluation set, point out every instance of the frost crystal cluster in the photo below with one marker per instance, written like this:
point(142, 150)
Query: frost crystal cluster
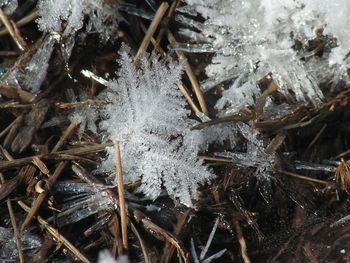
point(148, 116)
point(67, 16)
point(254, 39)
point(60, 20)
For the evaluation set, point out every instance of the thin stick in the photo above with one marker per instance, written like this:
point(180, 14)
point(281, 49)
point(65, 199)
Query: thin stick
point(40, 199)
point(57, 235)
point(242, 243)
point(341, 155)
point(17, 39)
point(181, 86)
point(122, 205)
point(187, 96)
point(169, 15)
point(14, 225)
point(70, 152)
point(190, 74)
point(66, 134)
point(306, 178)
point(25, 20)
point(152, 28)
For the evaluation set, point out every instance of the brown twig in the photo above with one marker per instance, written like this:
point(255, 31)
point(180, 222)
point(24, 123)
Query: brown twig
point(70, 152)
point(169, 15)
point(191, 76)
point(242, 243)
point(12, 29)
point(66, 134)
point(181, 86)
point(122, 205)
point(25, 20)
point(152, 28)
point(169, 248)
point(74, 105)
point(306, 178)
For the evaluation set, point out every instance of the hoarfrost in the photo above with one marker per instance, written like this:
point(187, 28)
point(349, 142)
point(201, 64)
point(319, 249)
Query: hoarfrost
point(152, 129)
point(33, 74)
point(8, 6)
point(86, 200)
point(255, 38)
point(67, 17)
point(8, 247)
point(106, 257)
point(102, 17)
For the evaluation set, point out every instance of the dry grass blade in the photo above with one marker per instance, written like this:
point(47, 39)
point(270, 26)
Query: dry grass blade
point(161, 234)
point(76, 151)
point(12, 29)
point(57, 236)
point(25, 20)
point(342, 174)
point(306, 178)
point(242, 243)
point(121, 196)
point(66, 134)
point(190, 74)
point(169, 248)
point(152, 28)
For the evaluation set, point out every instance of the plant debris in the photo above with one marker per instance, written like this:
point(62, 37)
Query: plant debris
point(175, 131)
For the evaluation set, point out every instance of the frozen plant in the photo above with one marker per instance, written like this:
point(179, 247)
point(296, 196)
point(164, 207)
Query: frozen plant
point(53, 14)
point(33, 73)
point(255, 156)
point(67, 17)
point(8, 247)
point(204, 251)
point(251, 39)
point(84, 200)
point(148, 117)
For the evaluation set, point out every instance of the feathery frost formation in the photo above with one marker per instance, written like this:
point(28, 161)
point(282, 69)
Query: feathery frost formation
point(253, 39)
point(148, 116)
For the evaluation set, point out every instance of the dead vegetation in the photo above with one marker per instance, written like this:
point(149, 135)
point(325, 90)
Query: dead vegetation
point(296, 220)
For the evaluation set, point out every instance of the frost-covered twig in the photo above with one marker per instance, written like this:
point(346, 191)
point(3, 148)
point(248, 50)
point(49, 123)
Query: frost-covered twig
point(204, 251)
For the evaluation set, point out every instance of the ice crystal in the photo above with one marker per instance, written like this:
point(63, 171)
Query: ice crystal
point(254, 156)
point(251, 39)
point(85, 200)
point(67, 17)
point(8, 247)
point(33, 74)
point(102, 16)
point(149, 118)
point(106, 257)
point(9, 6)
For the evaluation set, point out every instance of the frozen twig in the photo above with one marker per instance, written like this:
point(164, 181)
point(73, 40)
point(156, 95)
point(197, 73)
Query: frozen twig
point(91, 75)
